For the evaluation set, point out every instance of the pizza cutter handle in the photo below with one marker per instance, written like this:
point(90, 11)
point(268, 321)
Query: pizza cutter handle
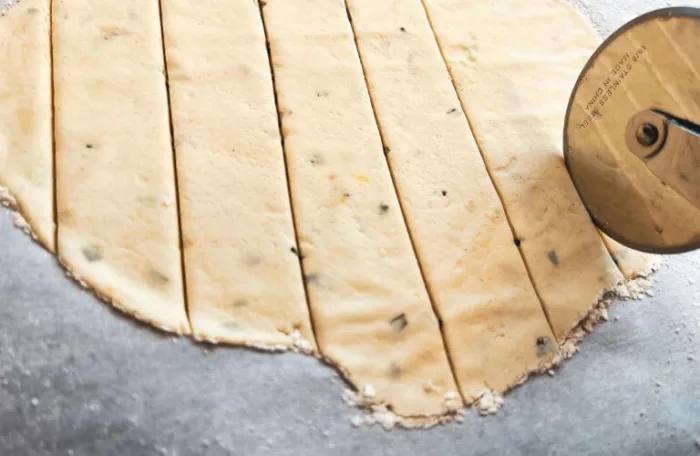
point(670, 148)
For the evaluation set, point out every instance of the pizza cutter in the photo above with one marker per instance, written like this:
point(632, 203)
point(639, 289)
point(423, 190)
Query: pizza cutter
point(632, 133)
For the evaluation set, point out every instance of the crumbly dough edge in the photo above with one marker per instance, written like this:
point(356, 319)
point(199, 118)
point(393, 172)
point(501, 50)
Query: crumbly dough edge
point(18, 219)
point(373, 412)
point(6, 8)
point(490, 401)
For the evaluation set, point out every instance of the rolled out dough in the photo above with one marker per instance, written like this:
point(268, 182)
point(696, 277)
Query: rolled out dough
point(381, 184)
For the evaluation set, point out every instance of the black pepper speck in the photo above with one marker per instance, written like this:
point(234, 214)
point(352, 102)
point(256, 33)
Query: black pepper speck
point(383, 208)
point(444, 193)
point(552, 255)
point(296, 252)
point(399, 322)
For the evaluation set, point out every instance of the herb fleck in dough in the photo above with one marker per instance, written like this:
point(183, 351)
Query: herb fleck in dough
point(376, 182)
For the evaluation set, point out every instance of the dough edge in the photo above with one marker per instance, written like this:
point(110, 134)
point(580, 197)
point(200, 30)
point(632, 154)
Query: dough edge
point(371, 411)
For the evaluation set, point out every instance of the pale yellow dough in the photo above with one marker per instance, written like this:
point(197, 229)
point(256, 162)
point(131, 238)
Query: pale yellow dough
point(116, 196)
point(380, 184)
point(26, 157)
point(243, 278)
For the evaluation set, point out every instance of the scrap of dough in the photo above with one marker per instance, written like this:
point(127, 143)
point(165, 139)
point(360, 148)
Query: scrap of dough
point(493, 322)
point(26, 154)
point(372, 314)
point(244, 282)
point(514, 81)
point(117, 215)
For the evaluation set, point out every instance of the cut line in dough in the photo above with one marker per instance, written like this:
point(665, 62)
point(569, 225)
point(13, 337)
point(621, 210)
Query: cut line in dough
point(372, 313)
point(243, 277)
point(456, 223)
point(116, 208)
point(515, 98)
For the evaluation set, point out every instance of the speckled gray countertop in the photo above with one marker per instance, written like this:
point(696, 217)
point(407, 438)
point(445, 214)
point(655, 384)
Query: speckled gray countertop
point(77, 378)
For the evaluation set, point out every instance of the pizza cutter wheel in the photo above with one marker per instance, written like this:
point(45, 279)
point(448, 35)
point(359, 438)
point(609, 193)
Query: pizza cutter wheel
point(631, 135)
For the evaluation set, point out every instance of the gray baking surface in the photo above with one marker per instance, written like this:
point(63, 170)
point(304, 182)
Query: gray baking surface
point(77, 378)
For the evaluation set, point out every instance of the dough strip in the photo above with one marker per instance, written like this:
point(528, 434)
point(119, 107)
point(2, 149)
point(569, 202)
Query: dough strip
point(244, 281)
point(117, 208)
point(26, 152)
point(516, 109)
